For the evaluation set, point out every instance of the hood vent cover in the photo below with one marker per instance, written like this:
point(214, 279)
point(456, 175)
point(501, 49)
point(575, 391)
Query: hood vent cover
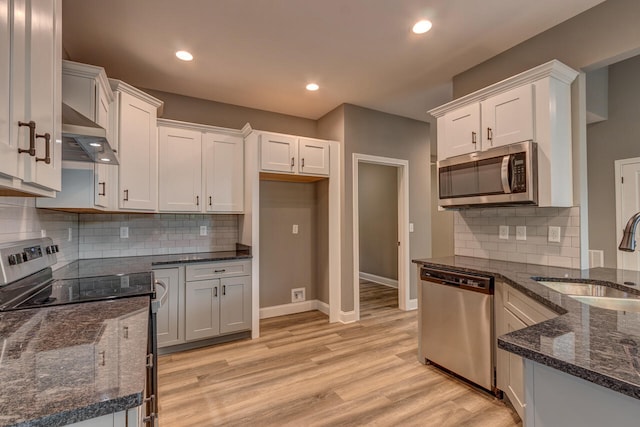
point(83, 140)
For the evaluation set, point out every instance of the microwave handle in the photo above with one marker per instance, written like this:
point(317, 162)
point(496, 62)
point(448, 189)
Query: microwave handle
point(504, 174)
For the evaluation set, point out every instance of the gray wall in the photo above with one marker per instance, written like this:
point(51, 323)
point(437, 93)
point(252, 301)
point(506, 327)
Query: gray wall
point(610, 140)
point(442, 228)
point(287, 260)
point(375, 133)
point(601, 35)
point(196, 110)
point(378, 219)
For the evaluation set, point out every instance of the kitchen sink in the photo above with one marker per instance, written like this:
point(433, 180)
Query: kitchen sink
point(619, 304)
point(585, 289)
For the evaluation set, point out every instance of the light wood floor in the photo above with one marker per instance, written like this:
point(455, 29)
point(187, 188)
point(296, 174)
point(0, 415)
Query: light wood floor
point(303, 371)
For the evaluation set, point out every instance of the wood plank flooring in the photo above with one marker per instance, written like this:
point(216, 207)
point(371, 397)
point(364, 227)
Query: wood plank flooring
point(303, 371)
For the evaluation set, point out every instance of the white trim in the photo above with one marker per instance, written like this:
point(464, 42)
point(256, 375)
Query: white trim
point(404, 263)
point(294, 307)
point(335, 230)
point(348, 316)
point(413, 304)
point(620, 222)
point(199, 127)
point(392, 283)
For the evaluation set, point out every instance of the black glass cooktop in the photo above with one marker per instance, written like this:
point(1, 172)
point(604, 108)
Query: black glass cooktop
point(86, 289)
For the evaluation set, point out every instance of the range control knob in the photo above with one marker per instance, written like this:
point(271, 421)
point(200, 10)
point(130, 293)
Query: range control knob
point(18, 258)
point(49, 250)
point(56, 248)
point(12, 260)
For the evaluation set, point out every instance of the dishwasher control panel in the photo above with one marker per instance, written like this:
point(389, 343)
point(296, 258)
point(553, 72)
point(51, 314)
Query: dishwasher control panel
point(462, 279)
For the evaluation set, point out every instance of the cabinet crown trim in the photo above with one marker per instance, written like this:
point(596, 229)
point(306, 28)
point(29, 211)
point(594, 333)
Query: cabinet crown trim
point(198, 126)
point(119, 85)
point(553, 68)
point(78, 69)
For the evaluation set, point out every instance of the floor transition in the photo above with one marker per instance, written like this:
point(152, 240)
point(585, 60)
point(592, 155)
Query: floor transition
point(304, 371)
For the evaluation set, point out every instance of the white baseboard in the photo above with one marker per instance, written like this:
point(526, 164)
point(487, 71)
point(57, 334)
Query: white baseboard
point(294, 307)
point(347, 316)
point(413, 304)
point(392, 283)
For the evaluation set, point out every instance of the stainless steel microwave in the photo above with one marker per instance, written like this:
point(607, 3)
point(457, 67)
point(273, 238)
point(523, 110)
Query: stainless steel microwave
point(502, 176)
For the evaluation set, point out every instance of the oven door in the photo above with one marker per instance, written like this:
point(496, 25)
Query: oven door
point(501, 176)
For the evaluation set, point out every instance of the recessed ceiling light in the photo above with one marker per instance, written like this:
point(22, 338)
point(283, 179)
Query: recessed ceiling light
point(422, 27)
point(312, 87)
point(184, 55)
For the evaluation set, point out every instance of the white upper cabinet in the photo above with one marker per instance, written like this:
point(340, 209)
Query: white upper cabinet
point(180, 184)
point(532, 106)
point(278, 153)
point(461, 130)
point(508, 118)
point(223, 168)
point(293, 155)
point(138, 148)
point(30, 45)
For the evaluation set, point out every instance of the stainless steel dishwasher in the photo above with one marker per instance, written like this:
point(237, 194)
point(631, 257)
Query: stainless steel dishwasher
point(455, 310)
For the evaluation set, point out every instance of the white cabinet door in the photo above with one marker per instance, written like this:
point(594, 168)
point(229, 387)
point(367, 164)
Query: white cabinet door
point(180, 170)
point(43, 95)
point(278, 153)
point(508, 117)
point(314, 157)
point(169, 314)
point(202, 313)
point(138, 143)
point(235, 304)
point(8, 146)
point(461, 132)
point(223, 167)
point(511, 365)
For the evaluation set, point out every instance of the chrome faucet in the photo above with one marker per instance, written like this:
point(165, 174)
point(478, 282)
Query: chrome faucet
point(628, 242)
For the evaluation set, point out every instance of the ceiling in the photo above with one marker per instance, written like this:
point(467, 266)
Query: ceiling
point(262, 53)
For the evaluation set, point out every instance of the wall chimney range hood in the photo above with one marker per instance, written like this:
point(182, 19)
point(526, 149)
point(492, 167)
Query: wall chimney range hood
point(83, 140)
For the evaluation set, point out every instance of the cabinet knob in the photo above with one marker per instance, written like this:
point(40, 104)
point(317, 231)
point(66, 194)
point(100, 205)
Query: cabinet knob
point(47, 148)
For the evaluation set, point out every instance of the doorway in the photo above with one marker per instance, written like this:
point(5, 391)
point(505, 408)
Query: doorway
point(394, 260)
point(627, 172)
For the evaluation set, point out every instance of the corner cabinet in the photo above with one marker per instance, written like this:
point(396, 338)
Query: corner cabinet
point(293, 155)
point(30, 85)
point(201, 168)
point(532, 106)
point(513, 311)
point(137, 141)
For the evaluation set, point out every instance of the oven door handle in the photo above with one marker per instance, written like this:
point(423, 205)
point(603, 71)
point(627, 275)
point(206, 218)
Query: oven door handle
point(159, 301)
point(504, 174)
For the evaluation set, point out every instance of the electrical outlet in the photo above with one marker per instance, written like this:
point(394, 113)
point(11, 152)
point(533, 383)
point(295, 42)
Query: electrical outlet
point(295, 229)
point(298, 295)
point(503, 232)
point(554, 234)
point(43, 233)
point(124, 281)
point(70, 237)
point(124, 232)
point(521, 232)
point(410, 227)
point(203, 230)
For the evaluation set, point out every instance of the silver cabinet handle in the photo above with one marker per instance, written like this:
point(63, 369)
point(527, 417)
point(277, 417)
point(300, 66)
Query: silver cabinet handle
point(32, 138)
point(489, 134)
point(504, 174)
point(47, 148)
point(215, 291)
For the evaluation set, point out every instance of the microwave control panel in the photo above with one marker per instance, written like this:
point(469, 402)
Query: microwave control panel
point(518, 173)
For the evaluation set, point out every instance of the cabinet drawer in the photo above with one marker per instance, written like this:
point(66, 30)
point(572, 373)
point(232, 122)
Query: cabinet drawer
point(215, 270)
point(526, 309)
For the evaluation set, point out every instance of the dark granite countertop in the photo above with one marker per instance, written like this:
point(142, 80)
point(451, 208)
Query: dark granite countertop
point(69, 363)
point(137, 264)
point(595, 344)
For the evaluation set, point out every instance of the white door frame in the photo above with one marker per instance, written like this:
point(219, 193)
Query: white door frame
point(404, 263)
point(620, 222)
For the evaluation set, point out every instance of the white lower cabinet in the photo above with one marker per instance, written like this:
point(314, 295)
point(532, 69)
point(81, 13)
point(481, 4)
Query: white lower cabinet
point(204, 300)
point(128, 418)
point(513, 311)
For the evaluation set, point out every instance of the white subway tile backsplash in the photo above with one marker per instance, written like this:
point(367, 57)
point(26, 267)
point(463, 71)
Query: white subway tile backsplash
point(476, 234)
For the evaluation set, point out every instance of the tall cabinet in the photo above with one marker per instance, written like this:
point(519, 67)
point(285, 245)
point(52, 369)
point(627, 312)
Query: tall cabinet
point(30, 87)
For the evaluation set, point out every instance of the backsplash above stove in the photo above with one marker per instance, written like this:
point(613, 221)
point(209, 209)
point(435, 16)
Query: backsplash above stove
point(476, 235)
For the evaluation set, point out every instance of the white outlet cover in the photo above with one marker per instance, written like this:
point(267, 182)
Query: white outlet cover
point(43, 233)
point(410, 227)
point(503, 232)
point(124, 232)
point(70, 237)
point(554, 234)
point(203, 230)
point(295, 229)
point(298, 295)
point(521, 232)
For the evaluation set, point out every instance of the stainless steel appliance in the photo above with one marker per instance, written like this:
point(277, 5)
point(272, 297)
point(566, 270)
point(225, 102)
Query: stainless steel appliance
point(455, 326)
point(501, 176)
point(27, 282)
